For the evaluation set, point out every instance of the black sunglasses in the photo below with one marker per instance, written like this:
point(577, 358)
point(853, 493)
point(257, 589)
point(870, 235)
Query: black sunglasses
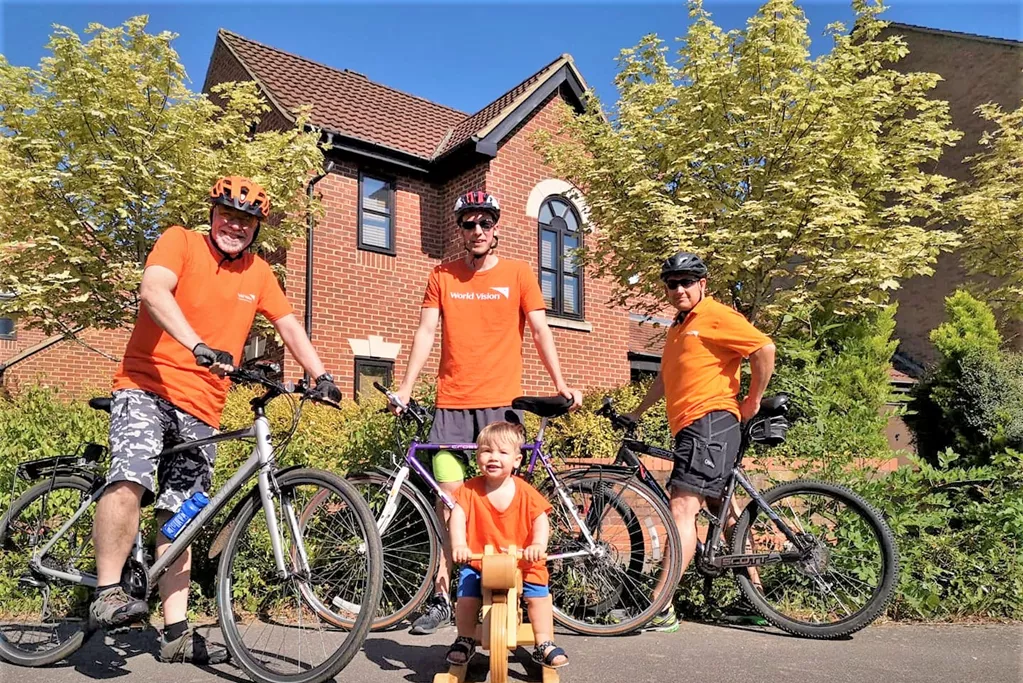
point(687, 282)
point(485, 224)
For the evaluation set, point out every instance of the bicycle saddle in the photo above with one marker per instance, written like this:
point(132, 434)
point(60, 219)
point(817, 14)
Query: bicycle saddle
point(774, 405)
point(544, 406)
point(101, 403)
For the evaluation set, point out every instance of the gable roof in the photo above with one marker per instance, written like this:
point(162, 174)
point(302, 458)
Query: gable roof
point(897, 26)
point(349, 104)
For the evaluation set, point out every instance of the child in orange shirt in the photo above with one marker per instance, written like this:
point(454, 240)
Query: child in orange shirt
point(502, 510)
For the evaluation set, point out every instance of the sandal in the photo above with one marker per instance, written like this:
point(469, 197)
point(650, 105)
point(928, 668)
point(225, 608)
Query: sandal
point(463, 645)
point(545, 654)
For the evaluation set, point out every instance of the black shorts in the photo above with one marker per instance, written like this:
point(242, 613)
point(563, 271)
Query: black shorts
point(705, 453)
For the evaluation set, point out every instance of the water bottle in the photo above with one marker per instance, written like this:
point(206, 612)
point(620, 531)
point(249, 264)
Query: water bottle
point(184, 515)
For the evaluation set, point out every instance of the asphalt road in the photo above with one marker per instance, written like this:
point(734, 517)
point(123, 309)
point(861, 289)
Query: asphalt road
point(697, 652)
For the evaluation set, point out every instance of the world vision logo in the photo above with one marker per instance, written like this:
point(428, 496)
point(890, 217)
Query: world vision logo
point(247, 297)
point(494, 295)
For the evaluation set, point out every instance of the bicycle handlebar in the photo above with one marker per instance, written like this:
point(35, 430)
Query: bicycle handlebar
point(260, 374)
point(413, 409)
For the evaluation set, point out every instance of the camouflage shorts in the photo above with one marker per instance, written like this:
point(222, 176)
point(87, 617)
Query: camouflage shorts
point(142, 425)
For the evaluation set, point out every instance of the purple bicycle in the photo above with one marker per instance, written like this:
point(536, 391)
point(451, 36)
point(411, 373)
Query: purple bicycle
point(614, 554)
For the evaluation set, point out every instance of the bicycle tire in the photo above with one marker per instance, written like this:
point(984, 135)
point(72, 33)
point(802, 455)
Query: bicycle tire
point(411, 548)
point(871, 520)
point(15, 544)
point(619, 605)
point(239, 548)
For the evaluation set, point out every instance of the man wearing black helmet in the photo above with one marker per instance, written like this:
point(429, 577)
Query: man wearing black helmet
point(699, 380)
point(485, 302)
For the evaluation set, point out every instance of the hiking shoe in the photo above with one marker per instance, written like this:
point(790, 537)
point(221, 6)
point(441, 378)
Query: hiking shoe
point(192, 648)
point(437, 614)
point(114, 607)
point(665, 622)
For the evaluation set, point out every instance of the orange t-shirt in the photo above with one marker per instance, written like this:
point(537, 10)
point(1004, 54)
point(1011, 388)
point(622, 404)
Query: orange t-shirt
point(220, 301)
point(701, 361)
point(484, 315)
point(487, 526)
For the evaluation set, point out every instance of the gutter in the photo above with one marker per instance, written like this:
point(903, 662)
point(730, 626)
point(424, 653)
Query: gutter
point(309, 253)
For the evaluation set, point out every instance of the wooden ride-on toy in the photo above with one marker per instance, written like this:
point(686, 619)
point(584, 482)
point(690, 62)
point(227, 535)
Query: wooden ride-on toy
point(501, 630)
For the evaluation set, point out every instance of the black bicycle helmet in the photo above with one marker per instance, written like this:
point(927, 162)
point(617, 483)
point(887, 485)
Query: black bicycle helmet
point(684, 263)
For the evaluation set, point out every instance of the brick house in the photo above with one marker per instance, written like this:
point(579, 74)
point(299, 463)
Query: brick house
point(399, 162)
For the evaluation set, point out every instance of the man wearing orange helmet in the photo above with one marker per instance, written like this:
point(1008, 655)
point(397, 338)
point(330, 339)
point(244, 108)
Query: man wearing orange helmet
point(199, 294)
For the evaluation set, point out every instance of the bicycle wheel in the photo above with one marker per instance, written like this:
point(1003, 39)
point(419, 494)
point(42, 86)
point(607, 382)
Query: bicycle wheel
point(632, 573)
point(284, 629)
point(411, 548)
point(45, 619)
point(848, 576)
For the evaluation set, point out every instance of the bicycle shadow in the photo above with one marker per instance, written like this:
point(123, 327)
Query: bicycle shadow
point(422, 662)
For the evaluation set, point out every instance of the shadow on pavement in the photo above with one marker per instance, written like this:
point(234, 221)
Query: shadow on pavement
point(105, 656)
point(422, 662)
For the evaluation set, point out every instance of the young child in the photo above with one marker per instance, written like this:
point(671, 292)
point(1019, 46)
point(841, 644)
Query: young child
point(501, 510)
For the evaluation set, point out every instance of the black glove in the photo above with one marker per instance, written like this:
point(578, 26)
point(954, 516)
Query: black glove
point(326, 389)
point(205, 356)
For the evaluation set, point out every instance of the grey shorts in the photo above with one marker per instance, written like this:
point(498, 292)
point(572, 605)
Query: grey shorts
point(142, 425)
point(456, 425)
point(705, 453)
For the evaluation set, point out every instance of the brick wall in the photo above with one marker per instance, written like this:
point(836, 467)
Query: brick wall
point(79, 371)
point(597, 358)
point(975, 70)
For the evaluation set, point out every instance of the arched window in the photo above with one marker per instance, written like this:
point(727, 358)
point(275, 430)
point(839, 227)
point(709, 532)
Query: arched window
point(560, 274)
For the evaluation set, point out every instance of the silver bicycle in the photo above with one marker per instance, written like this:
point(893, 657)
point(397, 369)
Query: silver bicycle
point(276, 577)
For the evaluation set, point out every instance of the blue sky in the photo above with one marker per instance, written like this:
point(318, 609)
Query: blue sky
point(461, 54)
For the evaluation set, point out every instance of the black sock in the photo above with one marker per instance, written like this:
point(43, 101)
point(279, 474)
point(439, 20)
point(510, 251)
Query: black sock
point(175, 630)
point(100, 590)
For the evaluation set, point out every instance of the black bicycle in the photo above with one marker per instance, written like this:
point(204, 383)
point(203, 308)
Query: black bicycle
point(814, 558)
point(276, 578)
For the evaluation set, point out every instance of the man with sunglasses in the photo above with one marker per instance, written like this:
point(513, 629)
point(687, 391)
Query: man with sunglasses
point(485, 302)
point(699, 379)
point(199, 295)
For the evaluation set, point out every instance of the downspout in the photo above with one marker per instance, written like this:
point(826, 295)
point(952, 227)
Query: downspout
point(309, 254)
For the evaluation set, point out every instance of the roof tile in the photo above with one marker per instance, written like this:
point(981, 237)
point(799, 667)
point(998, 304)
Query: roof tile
point(347, 102)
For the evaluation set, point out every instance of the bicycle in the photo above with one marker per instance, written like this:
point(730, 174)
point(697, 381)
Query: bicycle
point(614, 553)
point(781, 545)
point(47, 544)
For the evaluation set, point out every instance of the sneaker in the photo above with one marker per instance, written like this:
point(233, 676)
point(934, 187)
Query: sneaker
point(437, 614)
point(192, 648)
point(114, 607)
point(665, 622)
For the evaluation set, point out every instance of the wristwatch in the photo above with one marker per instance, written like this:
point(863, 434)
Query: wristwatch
point(325, 377)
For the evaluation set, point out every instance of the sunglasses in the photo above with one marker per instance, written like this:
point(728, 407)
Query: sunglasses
point(684, 282)
point(485, 224)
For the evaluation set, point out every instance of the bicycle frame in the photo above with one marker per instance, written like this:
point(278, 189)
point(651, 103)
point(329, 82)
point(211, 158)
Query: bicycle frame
point(707, 552)
point(260, 463)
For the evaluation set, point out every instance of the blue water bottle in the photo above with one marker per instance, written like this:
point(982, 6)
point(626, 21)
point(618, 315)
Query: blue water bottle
point(185, 514)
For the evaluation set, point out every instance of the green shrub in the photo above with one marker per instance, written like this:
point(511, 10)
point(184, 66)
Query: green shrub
point(959, 532)
point(38, 424)
point(839, 382)
point(972, 401)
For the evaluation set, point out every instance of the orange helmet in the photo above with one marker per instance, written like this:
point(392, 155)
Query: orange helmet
point(242, 194)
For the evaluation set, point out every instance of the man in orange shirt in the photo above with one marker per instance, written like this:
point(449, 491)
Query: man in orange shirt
point(199, 294)
point(699, 380)
point(485, 302)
